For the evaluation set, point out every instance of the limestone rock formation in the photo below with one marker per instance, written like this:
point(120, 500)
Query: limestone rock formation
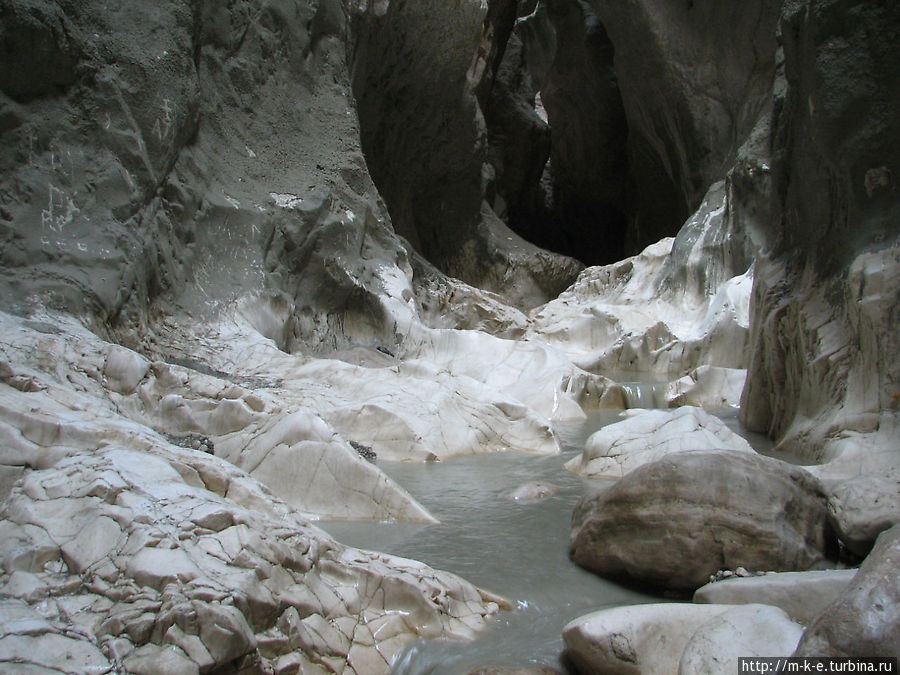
point(865, 619)
point(802, 595)
point(663, 639)
point(130, 559)
point(251, 249)
point(591, 188)
point(691, 91)
point(415, 71)
point(679, 304)
point(824, 336)
point(676, 521)
point(708, 387)
point(620, 448)
point(199, 278)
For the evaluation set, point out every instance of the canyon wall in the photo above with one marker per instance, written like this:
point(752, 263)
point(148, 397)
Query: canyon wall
point(824, 366)
point(248, 246)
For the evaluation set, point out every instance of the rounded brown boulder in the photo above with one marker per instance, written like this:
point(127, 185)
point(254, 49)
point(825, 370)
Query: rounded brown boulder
point(676, 521)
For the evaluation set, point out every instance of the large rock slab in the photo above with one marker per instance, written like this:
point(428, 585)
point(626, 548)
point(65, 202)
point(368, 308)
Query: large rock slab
point(185, 575)
point(676, 521)
point(674, 638)
point(802, 595)
point(749, 630)
point(865, 619)
point(622, 447)
point(293, 451)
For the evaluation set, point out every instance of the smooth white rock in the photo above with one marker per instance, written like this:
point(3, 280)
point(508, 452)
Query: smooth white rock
point(619, 448)
point(748, 630)
point(637, 639)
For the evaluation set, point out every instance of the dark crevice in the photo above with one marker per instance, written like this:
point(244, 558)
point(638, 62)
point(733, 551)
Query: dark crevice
point(580, 203)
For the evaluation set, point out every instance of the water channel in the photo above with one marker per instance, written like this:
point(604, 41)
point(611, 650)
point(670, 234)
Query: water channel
point(518, 549)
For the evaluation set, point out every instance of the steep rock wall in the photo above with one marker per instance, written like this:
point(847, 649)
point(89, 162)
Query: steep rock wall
point(692, 90)
point(823, 376)
point(418, 72)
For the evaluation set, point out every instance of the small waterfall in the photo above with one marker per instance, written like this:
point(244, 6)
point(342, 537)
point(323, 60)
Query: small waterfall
point(644, 394)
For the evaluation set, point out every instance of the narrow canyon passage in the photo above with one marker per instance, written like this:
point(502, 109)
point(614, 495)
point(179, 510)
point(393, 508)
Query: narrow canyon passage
point(414, 336)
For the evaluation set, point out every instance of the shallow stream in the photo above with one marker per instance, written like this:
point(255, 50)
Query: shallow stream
point(518, 549)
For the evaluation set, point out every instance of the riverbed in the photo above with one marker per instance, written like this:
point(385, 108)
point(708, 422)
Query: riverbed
point(518, 549)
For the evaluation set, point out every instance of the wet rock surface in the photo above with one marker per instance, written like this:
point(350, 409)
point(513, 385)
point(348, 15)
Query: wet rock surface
point(175, 556)
point(865, 618)
point(250, 250)
point(676, 521)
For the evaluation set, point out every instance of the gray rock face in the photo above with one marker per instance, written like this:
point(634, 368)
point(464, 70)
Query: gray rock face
point(691, 94)
point(865, 619)
point(825, 334)
point(676, 521)
point(415, 76)
point(591, 182)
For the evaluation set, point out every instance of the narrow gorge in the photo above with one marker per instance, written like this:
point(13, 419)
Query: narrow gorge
point(461, 337)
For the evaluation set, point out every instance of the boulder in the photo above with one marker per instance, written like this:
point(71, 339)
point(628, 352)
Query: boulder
point(620, 448)
point(802, 595)
point(865, 619)
point(534, 491)
point(861, 508)
point(676, 521)
point(748, 630)
point(677, 638)
point(635, 640)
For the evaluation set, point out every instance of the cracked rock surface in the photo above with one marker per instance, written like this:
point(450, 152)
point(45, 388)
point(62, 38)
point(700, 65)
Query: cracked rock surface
point(125, 552)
